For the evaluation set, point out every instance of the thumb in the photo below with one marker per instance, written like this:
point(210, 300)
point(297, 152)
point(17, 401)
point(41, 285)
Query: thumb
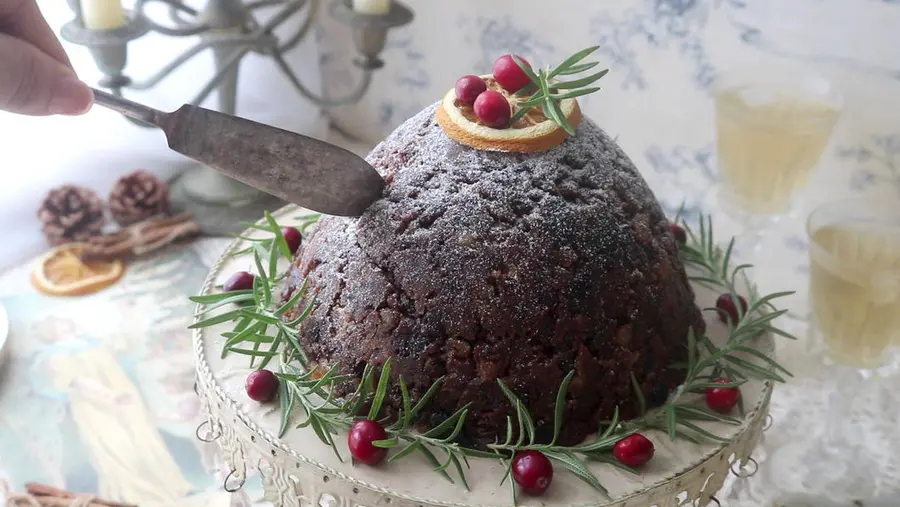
point(36, 84)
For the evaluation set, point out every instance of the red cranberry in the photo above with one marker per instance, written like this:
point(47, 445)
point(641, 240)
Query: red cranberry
point(727, 308)
point(262, 386)
point(722, 399)
point(468, 88)
point(362, 434)
point(509, 75)
point(292, 237)
point(241, 280)
point(492, 109)
point(678, 232)
point(633, 450)
point(532, 471)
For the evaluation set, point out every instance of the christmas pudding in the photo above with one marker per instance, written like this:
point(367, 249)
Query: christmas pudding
point(515, 302)
point(479, 266)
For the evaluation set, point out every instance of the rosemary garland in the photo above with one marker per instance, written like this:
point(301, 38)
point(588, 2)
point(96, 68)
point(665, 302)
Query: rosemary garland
point(260, 332)
point(545, 84)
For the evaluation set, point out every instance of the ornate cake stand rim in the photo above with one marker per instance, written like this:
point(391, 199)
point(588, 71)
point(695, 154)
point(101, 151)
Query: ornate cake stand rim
point(754, 415)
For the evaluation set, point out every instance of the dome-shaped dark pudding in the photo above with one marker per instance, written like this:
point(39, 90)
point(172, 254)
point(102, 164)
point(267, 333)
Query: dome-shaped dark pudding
point(478, 266)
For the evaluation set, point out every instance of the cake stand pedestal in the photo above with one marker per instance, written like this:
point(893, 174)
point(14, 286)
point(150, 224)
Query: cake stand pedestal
point(298, 470)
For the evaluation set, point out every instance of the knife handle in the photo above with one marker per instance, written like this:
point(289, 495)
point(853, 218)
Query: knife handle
point(128, 108)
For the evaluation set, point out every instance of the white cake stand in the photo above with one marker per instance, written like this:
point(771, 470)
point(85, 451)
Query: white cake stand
point(298, 470)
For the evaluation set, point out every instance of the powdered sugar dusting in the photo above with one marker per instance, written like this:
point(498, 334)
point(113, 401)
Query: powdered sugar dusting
point(480, 266)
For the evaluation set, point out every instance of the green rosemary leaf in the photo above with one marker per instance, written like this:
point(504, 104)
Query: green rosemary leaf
point(639, 394)
point(527, 70)
point(276, 343)
point(252, 353)
point(526, 425)
point(765, 300)
point(768, 360)
point(457, 429)
point(578, 468)
point(459, 470)
point(777, 331)
point(247, 296)
point(575, 93)
point(305, 313)
point(558, 116)
point(220, 297)
point(405, 418)
point(268, 319)
point(381, 391)
point(446, 424)
point(692, 348)
point(697, 429)
point(509, 432)
point(703, 414)
point(535, 100)
point(671, 421)
point(386, 444)
point(217, 319)
point(606, 458)
point(475, 453)
point(726, 260)
point(704, 279)
point(506, 475)
point(612, 425)
point(279, 237)
point(286, 404)
point(434, 462)
point(579, 83)
point(253, 225)
point(295, 298)
point(572, 60)
point(519, 114)
point(426, 397)
point(261, 280)
point(559, 408)
point(701, 387)
point(405, 451)
point(577, 69)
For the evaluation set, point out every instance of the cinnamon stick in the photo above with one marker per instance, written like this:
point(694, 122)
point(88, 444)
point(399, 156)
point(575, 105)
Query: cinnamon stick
point(49, 496)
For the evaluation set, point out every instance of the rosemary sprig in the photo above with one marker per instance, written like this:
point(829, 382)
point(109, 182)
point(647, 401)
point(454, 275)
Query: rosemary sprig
point(260, 331)
point(544, 90)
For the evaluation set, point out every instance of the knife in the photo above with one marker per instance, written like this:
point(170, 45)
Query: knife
point(299, 169)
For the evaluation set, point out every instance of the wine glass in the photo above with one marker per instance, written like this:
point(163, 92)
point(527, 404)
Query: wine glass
point(772, 127)
point(854, 287)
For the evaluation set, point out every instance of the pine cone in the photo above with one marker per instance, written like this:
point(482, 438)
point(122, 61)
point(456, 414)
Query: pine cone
point(71, 213)
point(138, 196)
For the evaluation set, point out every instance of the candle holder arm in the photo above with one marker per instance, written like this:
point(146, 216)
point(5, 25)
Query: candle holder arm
point(186, 30)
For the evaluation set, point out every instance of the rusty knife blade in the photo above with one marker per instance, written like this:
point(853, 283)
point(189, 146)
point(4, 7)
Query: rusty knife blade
point(296, 168)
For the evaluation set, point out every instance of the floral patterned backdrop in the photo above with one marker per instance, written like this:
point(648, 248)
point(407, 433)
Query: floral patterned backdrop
point(663, 56)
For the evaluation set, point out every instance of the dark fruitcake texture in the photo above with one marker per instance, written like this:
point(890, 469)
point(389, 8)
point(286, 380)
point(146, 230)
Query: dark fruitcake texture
point(478, 266)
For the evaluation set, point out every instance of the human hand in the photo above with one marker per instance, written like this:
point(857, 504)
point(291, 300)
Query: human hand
point(36, 78)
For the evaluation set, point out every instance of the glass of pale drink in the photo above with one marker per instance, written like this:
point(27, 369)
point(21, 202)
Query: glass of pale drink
point(854, 258)
point(772, 127)
point(854, 288)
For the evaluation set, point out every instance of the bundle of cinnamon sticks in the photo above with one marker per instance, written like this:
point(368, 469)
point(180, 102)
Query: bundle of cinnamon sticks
point(48, 496)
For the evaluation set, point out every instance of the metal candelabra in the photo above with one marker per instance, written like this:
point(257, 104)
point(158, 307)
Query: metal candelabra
point(231, 31)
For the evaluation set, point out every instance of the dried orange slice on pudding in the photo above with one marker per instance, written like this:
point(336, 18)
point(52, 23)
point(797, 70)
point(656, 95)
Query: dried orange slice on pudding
point(62, 272)
point(531, 133)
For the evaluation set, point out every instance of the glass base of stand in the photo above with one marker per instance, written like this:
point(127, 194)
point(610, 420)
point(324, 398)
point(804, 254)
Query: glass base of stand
point(219, 204)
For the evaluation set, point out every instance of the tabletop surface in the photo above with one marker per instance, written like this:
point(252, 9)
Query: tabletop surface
point(97, 392)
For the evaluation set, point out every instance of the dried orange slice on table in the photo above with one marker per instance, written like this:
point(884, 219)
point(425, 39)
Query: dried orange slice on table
point(530, 133)
point(62, 272)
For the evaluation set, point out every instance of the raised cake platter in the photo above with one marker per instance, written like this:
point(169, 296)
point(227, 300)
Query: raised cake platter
point(299, 470)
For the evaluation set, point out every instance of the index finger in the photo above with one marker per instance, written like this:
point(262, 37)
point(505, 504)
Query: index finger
point(23, 19)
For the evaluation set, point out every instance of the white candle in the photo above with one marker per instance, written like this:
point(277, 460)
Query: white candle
point(372, 7)
point(102, 14)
